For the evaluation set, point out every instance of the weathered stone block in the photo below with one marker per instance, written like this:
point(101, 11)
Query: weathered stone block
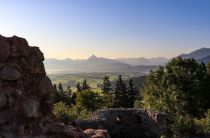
point(36, 55)
point(20, 45)
point(4, 50)
point(92, 133)
point(30, 107)
point(38, 68)
point(46, 86)
point(10, 73)
point(3, 99)
point(4, 117)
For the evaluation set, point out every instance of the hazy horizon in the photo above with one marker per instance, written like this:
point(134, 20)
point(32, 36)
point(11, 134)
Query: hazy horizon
point(77, 29)
point(102, 57)
point(98, 56)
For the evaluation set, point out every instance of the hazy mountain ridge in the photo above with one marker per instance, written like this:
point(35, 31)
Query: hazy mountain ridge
point(205, 60)
point(197, 54)
point(144, 61)
point(100, 64)
point(93, 64)
point(201, 55)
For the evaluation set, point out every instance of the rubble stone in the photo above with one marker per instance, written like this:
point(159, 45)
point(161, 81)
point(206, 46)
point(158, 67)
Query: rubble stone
point(10, 73)
point(3, 99)
point(98, 133)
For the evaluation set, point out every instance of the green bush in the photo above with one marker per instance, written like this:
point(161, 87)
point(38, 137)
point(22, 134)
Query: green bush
point(68, 114)
point(91, 101)
point(203, 123)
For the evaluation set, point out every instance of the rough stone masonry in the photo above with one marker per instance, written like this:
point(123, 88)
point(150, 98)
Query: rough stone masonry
point(25, 94)
point(127, 122)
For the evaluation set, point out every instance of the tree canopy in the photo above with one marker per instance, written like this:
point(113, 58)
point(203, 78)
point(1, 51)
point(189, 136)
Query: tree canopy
point(178, 87)
point(181, 89)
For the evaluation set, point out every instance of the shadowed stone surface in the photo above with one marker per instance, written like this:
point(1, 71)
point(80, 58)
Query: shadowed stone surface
point(126, 123)
point(25, 94)
point(10, 73)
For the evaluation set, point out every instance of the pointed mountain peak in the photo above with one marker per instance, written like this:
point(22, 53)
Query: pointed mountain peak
point(92, 57)
point(67, 59)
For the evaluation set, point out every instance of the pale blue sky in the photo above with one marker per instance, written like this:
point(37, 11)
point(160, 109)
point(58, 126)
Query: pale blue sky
point(108, 28)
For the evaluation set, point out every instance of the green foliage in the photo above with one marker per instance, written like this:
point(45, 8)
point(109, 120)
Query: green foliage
point(60, 87)
point(62, 112)
point(73, 98)
point(131, 93)
point(90, 100)
point(120, 93)
point(87, 102)
point(70, 105)
point(123, 96)
point(107, 101)
point(67, 115)
point(55, 87)
point(203, 123)
point(177, 88)
point(85, 85)
point(184, 126)
point(106, 85)
point(181, 90)
point(66, 96)
point(139, 104)
point(79, 88)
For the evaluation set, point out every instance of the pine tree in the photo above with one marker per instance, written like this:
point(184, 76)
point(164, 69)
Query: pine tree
point(79, 88)
point(120, 93)
point(60, 88)
point(106, 85)
point(56, 96)
point(55, 87)
point(67, 99)
point(73, 98)
point(60, 93)
point(85, 86)
point(68, 89)
point(131, 94)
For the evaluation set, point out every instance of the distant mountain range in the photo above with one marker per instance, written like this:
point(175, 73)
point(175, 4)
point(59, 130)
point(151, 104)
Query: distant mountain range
point(100, 64)
point(144, 61)
point(92, 64)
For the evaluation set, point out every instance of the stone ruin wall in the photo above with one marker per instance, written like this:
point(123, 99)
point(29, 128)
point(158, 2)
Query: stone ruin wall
point(122, 122)
point(26, 94)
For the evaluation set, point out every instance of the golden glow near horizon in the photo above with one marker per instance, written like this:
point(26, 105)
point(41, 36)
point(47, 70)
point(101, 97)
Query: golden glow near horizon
point(75, 49)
